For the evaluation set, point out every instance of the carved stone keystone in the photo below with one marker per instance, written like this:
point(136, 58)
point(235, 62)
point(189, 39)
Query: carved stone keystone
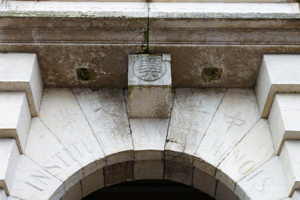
point(149, 85)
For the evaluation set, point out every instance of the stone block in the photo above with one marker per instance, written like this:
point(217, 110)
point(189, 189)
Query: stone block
point(291, 164)
point(235, 116)
point(20, 72)
point(296, 195)
point(9, 157)
point(14, 117)
point(74, 193)
point(34, 183)
point(149, 85)
point(204, 182)
point(266, 182)
point(178, 172)
point(61, 113)
point(252, 151)
point(92, 182)
point(148, 169)
point(149, 137)
point(277, 74)
point(192, 112)
point(283, 119)
point(118, 173)
point(46, 150)
point(224, 193)
point(105, 111)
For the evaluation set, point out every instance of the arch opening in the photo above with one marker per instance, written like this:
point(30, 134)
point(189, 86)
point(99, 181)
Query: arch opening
point(148, 189)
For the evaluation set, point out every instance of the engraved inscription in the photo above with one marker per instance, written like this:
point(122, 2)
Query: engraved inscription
point(58, 161)
point(234, 120)
point(65, 120)
point(149, 68)
point(261, 183)
point(38, 180)
point(244, 167)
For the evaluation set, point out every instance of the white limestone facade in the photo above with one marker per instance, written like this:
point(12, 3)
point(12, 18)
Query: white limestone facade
point(231, 142)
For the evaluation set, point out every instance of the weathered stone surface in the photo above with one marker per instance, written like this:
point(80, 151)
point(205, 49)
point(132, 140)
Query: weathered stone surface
point(92, 182)
point(148, 169)
point(149, 138)
point(204, 182)
point(105, 111)
point(20, 72)
point(149, 85)
point(252, 151)
point(58, 63)
point(192, 112)
point(76, 9)
point(14, 117)
point(178, 172)
point(283, 119)
point(118, 173)
point(74, 193)
point(167, 10)
point(9, 158)
point(291, 164)
point(61, 113)
point(224, 193)
point(35, 183)
point(296, 195)
point(266, 182)
point(46, 150)
point(235, 116)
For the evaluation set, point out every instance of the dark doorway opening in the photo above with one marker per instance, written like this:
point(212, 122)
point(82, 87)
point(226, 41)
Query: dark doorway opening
point(149, 190)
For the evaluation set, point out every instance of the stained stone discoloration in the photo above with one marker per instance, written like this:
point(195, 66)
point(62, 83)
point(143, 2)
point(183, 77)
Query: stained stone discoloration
point(47, 151)
point(149, 86)
point(179, 172)
point(118, 173)
point(252, 151)
point(61, 113)
point(235, 116)
point(105, 111)
point(148, 169)
point(192, 113)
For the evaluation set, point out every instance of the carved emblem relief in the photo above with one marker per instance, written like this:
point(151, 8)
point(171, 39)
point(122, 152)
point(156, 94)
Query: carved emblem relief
point(149, 68)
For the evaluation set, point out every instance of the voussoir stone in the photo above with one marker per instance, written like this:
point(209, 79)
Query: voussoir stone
point(224, 193)
point(235, 116)
point(46, 150)
point(149, 137)
point(74, 193)
point(105, 111)
point(61, 113)
point(204, 182)
point(92, 182)
point(252, 151)
point(34, 183)
point(193, 110)
point(266, 182)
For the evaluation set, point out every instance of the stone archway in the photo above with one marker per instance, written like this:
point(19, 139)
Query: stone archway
point(84, 138)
